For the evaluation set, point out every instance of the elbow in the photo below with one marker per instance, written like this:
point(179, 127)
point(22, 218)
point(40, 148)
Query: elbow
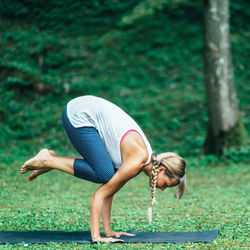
point(98, 197)
point(95, 197)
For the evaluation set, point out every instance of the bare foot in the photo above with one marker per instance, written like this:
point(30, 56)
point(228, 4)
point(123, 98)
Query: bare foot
point(36, 173)
point(52, 152)
point(38, 162)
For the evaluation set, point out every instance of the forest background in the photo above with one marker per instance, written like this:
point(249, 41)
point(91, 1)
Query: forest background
point(152, 67)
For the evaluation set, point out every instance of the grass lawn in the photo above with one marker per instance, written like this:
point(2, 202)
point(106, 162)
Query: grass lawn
point(217, 198)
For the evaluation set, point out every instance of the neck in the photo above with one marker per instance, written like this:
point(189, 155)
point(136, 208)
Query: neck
point(147, 169)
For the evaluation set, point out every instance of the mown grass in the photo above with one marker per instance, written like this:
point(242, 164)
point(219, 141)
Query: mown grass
point(217, 198)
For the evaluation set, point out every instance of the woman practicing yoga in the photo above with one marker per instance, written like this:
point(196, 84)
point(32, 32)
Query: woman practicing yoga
point(114, 149)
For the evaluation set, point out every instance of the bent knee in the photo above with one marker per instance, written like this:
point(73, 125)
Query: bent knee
point(105, 177)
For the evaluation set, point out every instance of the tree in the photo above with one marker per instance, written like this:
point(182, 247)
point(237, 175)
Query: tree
point(226, 128)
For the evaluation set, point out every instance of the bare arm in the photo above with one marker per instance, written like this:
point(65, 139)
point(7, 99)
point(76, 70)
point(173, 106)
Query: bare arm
point(106, 215)
point(130, 168)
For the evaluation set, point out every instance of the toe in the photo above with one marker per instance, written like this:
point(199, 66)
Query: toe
point(22, 171)
point(32, 177)
point(24, 168)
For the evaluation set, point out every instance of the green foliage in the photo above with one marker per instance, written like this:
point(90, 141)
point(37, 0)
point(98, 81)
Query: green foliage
point(149, 7)
point(74, 17)
point(236, 155)
point(152, 69)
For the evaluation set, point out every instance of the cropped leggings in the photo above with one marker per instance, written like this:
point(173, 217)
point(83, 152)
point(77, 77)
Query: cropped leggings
point(97, 165)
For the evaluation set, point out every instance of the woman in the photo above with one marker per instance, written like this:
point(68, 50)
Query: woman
point(114, 149)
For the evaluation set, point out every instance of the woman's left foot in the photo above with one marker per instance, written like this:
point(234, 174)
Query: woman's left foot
point(36, 173)
point(37, 162)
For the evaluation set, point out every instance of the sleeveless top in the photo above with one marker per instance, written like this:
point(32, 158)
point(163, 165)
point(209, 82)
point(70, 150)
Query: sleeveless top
point(112, 123)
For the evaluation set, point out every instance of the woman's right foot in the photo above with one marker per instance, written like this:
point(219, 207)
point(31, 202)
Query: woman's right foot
point(38, 162)
point(36, 173)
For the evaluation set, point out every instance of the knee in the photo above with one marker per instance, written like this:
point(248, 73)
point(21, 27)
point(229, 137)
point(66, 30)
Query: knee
point(105, 176)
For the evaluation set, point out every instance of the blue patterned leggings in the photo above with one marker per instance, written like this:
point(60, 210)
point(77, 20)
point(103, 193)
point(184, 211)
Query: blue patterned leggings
point(97, 165)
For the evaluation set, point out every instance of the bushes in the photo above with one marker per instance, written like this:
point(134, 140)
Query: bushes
point(152, 69)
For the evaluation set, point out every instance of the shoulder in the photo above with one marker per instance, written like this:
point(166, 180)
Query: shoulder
point(133, 149)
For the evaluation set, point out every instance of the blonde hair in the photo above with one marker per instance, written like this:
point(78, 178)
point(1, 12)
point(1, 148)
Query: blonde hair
point(175, 168)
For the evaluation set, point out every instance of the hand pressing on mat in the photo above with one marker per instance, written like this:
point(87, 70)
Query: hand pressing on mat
point(107, 240)
point(118, 234)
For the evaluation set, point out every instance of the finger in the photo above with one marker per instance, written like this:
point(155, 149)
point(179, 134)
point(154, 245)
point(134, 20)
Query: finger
point(103, 240)
point(111, 240)
point(127, 234)
point(117, 240)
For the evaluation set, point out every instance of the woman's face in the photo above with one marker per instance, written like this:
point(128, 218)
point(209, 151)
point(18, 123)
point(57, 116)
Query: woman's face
point(163, 181)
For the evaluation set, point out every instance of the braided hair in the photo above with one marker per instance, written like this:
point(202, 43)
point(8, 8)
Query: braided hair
point(175, 167)
point(153, 179)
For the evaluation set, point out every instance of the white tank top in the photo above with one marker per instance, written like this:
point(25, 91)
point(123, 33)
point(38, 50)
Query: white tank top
point(112, 123)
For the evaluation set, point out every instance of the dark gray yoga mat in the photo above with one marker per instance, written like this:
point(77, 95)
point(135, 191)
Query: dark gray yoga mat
point(14, 237)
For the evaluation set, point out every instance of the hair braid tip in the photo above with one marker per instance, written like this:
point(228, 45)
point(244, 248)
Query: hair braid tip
point(150, 214)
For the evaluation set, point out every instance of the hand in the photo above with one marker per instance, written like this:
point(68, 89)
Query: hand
point(118, 234)
point(107, 240)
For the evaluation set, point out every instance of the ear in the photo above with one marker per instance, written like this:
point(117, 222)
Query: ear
point(161, 168)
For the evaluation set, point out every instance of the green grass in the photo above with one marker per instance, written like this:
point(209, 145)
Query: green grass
point(217, 198)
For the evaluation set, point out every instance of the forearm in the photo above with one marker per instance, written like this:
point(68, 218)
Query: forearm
point(105, 192)
point(106, 212)
point(95, 215)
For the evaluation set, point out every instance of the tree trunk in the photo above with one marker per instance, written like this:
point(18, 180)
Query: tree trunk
point(225, 125)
